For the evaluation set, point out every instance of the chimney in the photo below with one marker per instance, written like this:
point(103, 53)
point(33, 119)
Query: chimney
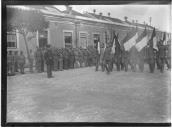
point(109, 14)
point(126, 18)
point(100, 14)
point(69, 9)
point(94, 11)
point(133, 21)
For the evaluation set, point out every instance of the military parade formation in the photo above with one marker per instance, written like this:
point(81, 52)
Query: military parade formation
point(105, 55)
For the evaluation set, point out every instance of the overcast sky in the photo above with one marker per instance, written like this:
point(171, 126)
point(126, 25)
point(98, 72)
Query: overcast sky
point(160, 13)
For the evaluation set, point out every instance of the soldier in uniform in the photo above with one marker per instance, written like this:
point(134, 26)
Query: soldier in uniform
point(21, 62)
point(31, 61)
point(133, 58)
point(107, 58)
point(11, 63)
point(161, 57)
point(72, 58)
point(141, 60)
point(97, 57)
point(126, 60)
point(151, 59)
point(48, 57)
point(38, 59)
point(55, 59)
point(60, 60)
point(42, 51)
point(16, 61)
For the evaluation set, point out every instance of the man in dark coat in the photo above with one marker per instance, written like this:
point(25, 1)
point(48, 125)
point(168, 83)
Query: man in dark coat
point(107, 58)
point(161, 57)
point(21, 62)
point(48, 57)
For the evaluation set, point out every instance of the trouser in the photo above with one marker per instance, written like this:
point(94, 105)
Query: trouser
point(11, 69)
point(49, 70)
point(141, 65)
point(167, 62)
point(162, 65)
point(151, 65)
point(39, 66)
point(97, 63)
point(16, 66)
point(157, 63)
point(107, 65)
point(31, 66)
point(65, 63)
point(126, 65)
point(21, 66)
point(55, 64)
point(42, 66)
point(60, 63)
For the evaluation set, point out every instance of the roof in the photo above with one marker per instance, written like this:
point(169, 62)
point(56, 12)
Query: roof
point(73, 12)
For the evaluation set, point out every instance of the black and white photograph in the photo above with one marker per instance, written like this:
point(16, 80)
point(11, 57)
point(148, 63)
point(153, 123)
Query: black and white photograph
point(88, 63)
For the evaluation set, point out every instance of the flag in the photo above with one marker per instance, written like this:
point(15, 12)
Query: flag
point(152, 40)
point(98, 47)
point(131, 42)
point(164, 39)
point(141, 41)
point(113, 46)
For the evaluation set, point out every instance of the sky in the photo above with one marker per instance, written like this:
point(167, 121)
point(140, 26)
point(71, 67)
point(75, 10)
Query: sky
point(161, 14)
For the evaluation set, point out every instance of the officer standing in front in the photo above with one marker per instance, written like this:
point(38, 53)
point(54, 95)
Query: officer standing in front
point(48, 57)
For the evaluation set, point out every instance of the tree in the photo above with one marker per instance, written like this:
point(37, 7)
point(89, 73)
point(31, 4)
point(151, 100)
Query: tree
point(25, 21)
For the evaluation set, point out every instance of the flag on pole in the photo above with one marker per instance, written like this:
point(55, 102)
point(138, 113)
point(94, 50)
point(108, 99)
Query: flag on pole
point(113, 46)
point(131, 42)
point(151, 41)
point(141, 41)
point(98, 47)
point(164, 39)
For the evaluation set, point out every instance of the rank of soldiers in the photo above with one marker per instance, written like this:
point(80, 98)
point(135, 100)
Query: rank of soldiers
point(69, 58)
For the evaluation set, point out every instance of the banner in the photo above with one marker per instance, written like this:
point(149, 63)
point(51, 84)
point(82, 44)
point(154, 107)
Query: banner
point(130, 42)
point(141, 44)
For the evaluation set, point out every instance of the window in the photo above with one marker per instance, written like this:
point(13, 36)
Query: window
point(83, 40)
point(11, 40)
point(68, 39)
point(43, 38)
point(96, 38)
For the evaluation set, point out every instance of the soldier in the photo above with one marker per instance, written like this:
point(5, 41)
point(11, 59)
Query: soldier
point(16, 61)
point(141, 60)
point(10, 62)
point(97, 57)
point(151, 59)
point(31, 61)
point(107, 58)
point(72, 58)
point(55, 59)
point(126, 60)
point(48, 57)
point(21, 62)
point(60, 60)
point(38, 59)
point(42, 51)
point(166, 58)
point(133, 58)
point(161, 57)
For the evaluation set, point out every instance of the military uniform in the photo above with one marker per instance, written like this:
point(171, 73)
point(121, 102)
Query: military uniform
point(126, 60)
point(107, 58)
point(38, 59)
point(60, 60)
point(48, 57)
point(11, 64)
point(16, 61)
point(161, 57)
point(21, 62)
point(31, 62)
point(151, 59)
point(141, 60)
point(133, 58)
point(55, 59)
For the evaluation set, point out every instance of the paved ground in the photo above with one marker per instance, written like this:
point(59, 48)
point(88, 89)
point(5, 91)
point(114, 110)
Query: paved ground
point(83, 95)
